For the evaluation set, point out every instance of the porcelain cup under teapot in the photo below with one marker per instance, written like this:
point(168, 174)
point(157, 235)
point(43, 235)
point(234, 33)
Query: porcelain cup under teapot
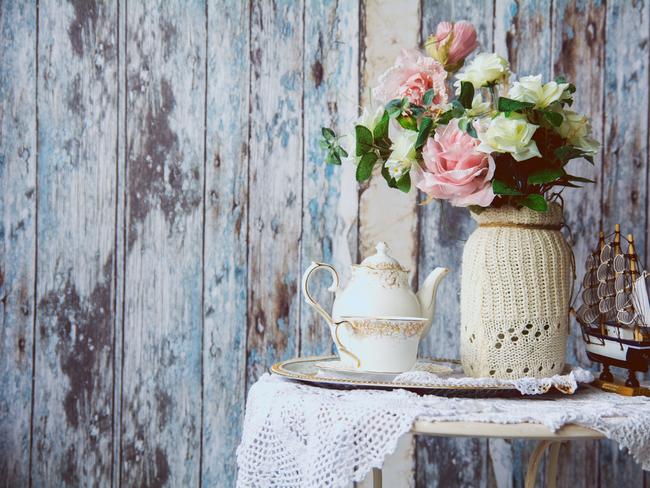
point(378, 292)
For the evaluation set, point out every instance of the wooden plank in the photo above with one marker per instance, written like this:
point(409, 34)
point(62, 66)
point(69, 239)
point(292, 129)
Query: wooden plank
point(161, 402)
point(578, 52)
point(18, 234)
point(522, 32)
point(625, 157)
point(120, 240)
point(442, 233)
point(625, 151)
point(520, 28)
point(275, 184)
point(331, 88)
point(386, 214)
point(225, 266)
point(77, 124)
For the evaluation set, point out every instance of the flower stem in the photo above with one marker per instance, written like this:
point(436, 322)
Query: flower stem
point(493, 96)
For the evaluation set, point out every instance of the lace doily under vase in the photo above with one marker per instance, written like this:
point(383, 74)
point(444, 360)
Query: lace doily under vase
point(565, 383)
point(297, 435)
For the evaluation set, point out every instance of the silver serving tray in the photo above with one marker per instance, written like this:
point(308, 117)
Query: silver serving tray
point(306, 370)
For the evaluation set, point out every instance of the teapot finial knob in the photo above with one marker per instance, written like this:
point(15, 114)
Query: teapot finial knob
point(381, 247)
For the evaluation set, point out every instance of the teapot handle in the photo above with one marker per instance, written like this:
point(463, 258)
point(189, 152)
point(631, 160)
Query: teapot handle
point(305, 290)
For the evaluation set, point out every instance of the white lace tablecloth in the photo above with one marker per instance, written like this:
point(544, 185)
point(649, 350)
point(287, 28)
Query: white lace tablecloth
point(297, 435)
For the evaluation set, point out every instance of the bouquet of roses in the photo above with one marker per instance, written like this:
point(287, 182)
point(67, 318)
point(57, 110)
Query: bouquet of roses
point(470, 134)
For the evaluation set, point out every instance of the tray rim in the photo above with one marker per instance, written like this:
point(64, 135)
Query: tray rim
point(278, 369)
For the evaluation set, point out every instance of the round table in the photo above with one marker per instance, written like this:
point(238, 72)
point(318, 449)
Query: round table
point(546, 440)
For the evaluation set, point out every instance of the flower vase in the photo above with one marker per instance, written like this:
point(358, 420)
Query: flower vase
point(515, 291)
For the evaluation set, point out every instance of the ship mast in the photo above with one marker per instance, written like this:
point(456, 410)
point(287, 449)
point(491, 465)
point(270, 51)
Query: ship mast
point(601, 245)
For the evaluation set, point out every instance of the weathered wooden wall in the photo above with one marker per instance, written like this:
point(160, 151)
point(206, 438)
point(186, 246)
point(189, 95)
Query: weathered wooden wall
point(162, 191)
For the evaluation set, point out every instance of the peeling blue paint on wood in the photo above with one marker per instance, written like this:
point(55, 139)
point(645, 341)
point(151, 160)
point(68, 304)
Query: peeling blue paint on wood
point(226, 237)
point(168, 230)
point(625, 163)
point(17, 235)
point(163, 316)
point(275, 184)
point(578, 51)
point(77, 87)
point(330, 93)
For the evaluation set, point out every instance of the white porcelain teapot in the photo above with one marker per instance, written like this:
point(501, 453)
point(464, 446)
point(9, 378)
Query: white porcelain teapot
point(378, 287)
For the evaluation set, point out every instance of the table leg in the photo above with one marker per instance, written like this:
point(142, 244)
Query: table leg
point(533, 463)
point(376, 478)
point(551, 467)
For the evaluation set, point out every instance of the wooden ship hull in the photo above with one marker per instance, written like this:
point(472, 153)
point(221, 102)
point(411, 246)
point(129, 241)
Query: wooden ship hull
point(617, 347)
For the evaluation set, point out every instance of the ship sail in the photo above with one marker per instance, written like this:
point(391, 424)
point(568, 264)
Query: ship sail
point(640, 300)
point(588, 311)
point(623, 284)
point(607, 277)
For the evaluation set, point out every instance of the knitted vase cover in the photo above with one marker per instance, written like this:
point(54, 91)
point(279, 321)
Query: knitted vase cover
point(515, 292)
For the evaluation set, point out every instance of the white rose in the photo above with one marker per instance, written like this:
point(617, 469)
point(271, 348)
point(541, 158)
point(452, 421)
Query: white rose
point(479, 107)
point(530, 89)
point(484, 69)
point(402, 156)
point(370, 118)
point(576, 130)
point(509, 135)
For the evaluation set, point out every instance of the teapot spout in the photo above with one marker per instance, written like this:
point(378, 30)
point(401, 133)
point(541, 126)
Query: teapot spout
point(427, 294)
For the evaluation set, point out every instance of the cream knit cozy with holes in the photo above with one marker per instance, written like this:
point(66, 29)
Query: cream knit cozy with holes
point(515, 292)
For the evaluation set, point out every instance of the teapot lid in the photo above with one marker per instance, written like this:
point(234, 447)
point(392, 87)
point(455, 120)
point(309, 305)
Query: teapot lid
point(382, 260)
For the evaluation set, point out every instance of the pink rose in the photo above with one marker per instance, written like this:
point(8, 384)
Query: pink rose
point(454, 170)
point(411, 76)
point(452, 43)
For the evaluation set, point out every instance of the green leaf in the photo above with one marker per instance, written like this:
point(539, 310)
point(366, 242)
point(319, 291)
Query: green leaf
point(472, 131)
point(394, 107)
point(390, 181)
point(509, 105)
point(500, 188)
point(328, 133)
point(324, 144)
point(568, 152)
point(560, 79)
point(458, 108)
point(404, 183)
point(456, 111)
point(446, 117)
point(554, 118)
point(364, 168)
point(340, 151)
point(332, 158)
point(381, 129)
point(534, 202)
point(466, 94)
point(408, 122)
point(425, 129)
point(546, 175)
point(383, 144)
point(465, 125)
point(364, 140)
point(416, 110)
point(428, 97)
point(579, 179)
point(566, 183)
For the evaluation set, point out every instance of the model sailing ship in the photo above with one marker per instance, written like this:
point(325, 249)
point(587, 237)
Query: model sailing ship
point(615, 315)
